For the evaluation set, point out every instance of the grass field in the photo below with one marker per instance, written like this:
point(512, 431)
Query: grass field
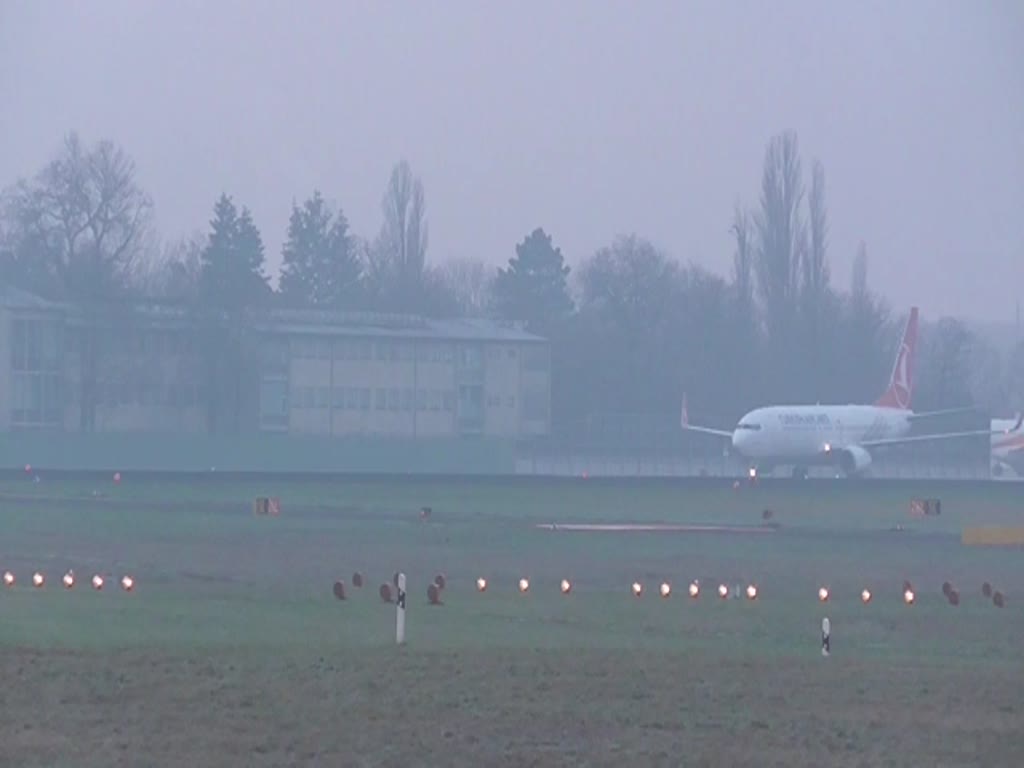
point(233, 651)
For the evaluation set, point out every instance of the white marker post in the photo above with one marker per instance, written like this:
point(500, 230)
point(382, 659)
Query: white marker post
point(400, 616)
point(826, 636)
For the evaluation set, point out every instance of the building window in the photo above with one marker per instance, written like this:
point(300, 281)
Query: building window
point(470, 357)
point(535, 359)
point(273, 402)
point(37, 391)
point(274, 352)
point(535, 406)
point(352, 398)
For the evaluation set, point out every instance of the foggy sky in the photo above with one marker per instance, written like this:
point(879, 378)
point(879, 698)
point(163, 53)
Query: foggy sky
point(587, 118)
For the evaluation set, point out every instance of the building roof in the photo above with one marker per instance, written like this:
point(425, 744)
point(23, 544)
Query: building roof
point(319, 322)
point(401, 326)
point(15, 298)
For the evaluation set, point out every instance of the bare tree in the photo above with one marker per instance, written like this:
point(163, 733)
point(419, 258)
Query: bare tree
point(944, 364)
point(469, 282)
point(743, 260)
point(859, 273)
point(174, 273)
point(744, 348)
point(866, 338)
point(814, 289)
point(78, 228)
point(780, 237)
point(779, 226)
point(85, 219)
point(399, 255)
point(815, 265)
point(1015, 377)
point(986, 378)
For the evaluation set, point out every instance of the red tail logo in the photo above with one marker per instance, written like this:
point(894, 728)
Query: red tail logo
point(901, 383)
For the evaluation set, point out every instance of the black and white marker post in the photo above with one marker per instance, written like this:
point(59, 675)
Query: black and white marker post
point(400, 616)
point(826, 637)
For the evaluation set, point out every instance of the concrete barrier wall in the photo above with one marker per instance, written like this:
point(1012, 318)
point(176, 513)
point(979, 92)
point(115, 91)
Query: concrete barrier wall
point(295, 454)
point(257, 453)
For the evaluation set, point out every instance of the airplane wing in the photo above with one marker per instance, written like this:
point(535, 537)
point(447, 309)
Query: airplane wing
point(942, 436)
point(935, 414)
point(684, 422)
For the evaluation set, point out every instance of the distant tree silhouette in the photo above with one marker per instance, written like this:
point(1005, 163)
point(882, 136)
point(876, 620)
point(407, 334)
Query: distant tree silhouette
point(533, 288)
point(320, 266)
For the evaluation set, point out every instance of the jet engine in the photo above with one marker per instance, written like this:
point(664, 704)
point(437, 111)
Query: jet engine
point(854, 460)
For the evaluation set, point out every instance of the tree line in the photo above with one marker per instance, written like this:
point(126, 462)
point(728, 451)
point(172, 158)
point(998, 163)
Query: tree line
point(631, 327)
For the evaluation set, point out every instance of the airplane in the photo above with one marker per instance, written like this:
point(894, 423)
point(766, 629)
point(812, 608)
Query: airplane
point(843, 435)
point(1007, 449)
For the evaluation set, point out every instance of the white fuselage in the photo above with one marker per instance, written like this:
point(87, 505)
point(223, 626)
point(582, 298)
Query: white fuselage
point(809, 433)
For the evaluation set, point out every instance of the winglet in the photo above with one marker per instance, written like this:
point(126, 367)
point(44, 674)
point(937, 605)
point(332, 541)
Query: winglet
point(684, 415)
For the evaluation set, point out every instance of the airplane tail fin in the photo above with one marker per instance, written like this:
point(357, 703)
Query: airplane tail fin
point(901, 382)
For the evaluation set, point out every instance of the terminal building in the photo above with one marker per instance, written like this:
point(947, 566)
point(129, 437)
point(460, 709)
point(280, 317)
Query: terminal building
point(304, 372)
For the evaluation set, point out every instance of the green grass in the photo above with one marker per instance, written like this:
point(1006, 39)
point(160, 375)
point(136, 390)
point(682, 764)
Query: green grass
point(202, 559)
point(232, 609)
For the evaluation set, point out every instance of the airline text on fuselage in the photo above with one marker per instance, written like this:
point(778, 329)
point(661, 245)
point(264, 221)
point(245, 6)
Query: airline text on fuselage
point(805, 420)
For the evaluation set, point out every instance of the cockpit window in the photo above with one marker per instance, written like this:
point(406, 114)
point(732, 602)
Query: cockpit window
point(749, 425)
